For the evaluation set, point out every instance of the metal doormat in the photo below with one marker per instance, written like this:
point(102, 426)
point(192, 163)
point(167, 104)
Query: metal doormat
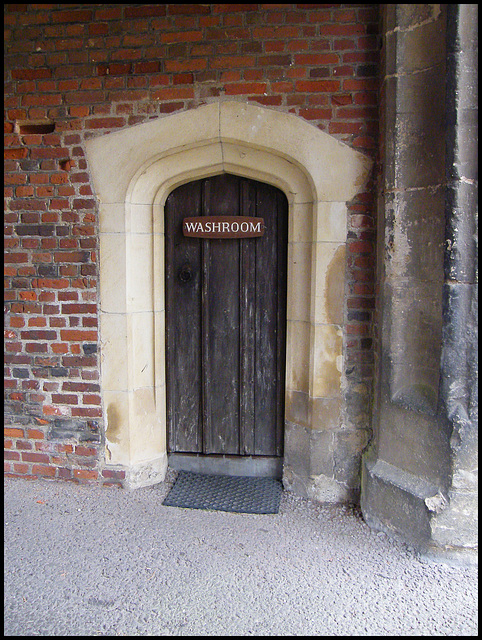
point(238, 494)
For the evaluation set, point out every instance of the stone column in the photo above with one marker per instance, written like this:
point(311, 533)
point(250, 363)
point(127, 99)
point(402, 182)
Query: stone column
point(454, 529)
point(408, 473)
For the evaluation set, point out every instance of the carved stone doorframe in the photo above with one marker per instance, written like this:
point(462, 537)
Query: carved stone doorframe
point(133, 172)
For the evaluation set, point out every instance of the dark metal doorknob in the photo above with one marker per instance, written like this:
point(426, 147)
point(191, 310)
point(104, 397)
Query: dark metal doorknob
point(185, 274)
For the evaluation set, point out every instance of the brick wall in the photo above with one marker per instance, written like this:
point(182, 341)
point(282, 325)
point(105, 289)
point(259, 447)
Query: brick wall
point(76, 71)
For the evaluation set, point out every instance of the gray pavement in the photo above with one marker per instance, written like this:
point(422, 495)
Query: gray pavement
point(87, 560)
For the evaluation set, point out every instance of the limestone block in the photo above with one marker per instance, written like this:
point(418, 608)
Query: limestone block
point(329, 283)
point(415, 321)
point(114, 357)
point(142, 349)
point(299, 266)
point(112, 217)
point(297, 407)
point(322, 445)
point(117, 434)
point(326, 349)
point(326, 413)
point(298, 356)
point(140, 276)
point(330, 221)
point(113, 276)
point(297, 449)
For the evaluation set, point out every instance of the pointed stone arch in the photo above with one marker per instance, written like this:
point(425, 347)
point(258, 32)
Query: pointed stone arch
point(133, 172)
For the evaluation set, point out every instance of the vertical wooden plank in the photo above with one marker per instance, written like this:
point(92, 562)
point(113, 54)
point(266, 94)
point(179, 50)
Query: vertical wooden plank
point(266, 325)
point(183, 324)
point(205, 323)
point(247, 326)
point(222, 298)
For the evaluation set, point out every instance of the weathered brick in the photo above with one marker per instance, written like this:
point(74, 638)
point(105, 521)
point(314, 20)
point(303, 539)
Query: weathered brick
point(318, 61)
point(35, 434)
point(76, 16)
point(85, 474)
point(114, 474)
point(85, 451)
point(77, 335)
point(34, 457)
point(42, 470)
point(246, 88)
point(11, 455)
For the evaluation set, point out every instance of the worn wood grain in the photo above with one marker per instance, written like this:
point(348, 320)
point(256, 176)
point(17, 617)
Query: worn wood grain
point(226, 316)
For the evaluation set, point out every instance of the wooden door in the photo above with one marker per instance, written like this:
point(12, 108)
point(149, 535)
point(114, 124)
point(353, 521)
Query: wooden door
point(225, 322)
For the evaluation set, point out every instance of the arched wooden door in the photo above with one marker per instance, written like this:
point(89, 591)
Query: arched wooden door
point(226, 322)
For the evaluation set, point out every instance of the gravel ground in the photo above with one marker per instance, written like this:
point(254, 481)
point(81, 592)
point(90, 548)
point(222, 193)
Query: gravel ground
point(86, 560)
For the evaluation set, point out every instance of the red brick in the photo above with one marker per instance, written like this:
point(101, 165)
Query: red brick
point(28, 295)
point(35, 434)
point(13, 432)
point(55, 411)
point(11, 455)
point(86, 474)
point(76, 16)
point(35, 347)
point(31, 74)
point(47, 100)
point(174, 93)
point(150, 66)
point(15, 154)
point(49, 152)
point(246, 88)
point(64, 473)
point(344, 127)
point(60, 348)
point(361, 246)
point(85, 97)
point(22, 468)
point(144, 11)
point(229, 62)
point(309, 86)
point(64, 398)
point(85, 451)
point(79, 112)
point(316, 114)
point(313, 59)
point(108, 13)
point(87, 412)
point(35, 457)
point(114, 474)
point(50, 283)
point(191, 9)
point(71, 335)
point(357, 329)
point(71, 256)
point(105, 123)
point(42, 470)
point(181, 36)
point(178, 66)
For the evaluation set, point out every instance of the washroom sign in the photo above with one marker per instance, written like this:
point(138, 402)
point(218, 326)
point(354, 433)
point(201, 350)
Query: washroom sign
point(223, 227)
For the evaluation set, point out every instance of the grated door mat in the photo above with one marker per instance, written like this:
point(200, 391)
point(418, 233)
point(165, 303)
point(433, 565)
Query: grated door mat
point(238, 494)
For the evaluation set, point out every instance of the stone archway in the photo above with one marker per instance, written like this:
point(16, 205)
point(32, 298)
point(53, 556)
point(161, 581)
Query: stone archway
point(133, 172)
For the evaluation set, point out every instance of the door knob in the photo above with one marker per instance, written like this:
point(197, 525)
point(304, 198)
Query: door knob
point(185, 273)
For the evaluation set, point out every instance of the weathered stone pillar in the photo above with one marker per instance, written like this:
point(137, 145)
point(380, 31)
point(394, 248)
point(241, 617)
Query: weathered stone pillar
point(418, 474)
point(454, 528)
